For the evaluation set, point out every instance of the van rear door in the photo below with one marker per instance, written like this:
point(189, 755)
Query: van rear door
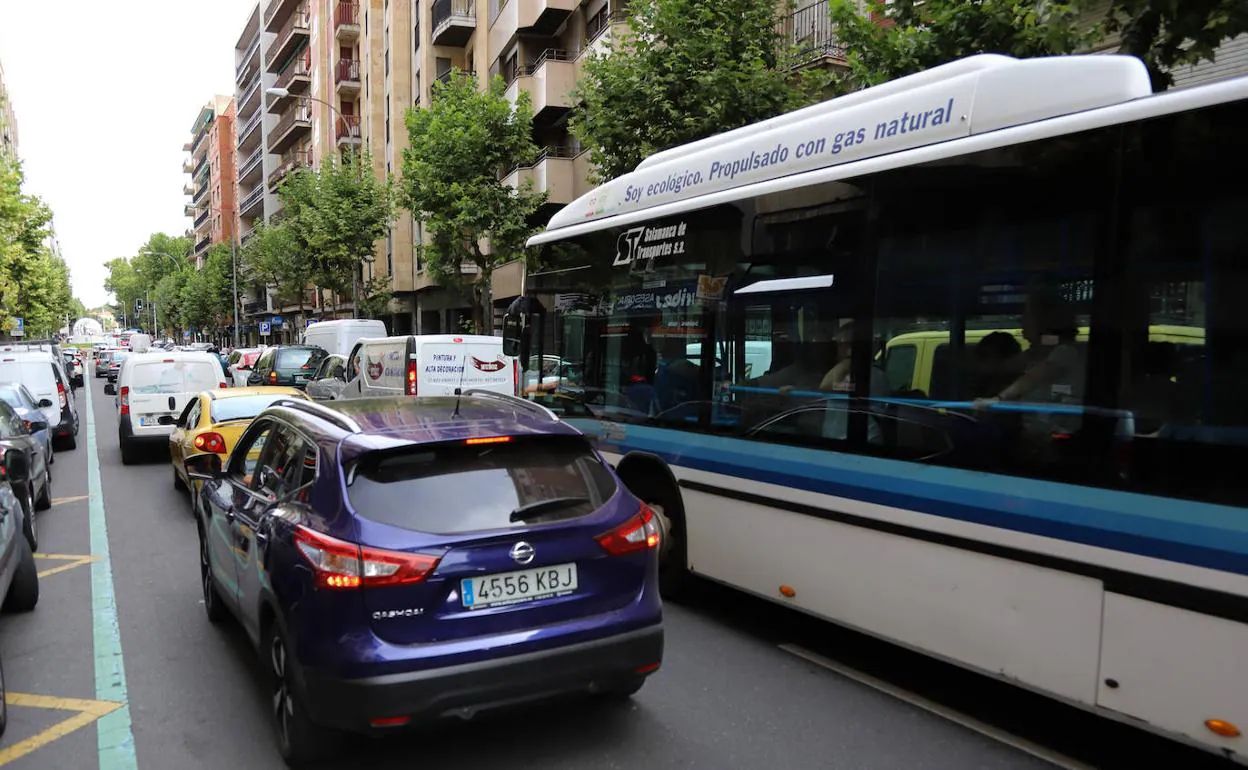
point(445, 362)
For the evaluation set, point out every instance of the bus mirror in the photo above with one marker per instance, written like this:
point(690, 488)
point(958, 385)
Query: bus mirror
point(512, 335)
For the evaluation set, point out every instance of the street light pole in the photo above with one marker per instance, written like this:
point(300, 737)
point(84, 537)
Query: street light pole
point(282, 93)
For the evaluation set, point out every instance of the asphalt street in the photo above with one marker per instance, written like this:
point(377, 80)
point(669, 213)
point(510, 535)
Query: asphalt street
point(731, 693)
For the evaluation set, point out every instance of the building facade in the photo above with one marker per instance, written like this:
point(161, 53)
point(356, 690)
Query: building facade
point(213, 187)
point(8, 121)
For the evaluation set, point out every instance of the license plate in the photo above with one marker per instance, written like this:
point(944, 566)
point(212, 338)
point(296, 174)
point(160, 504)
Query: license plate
point(154, 420)
point(518, 587)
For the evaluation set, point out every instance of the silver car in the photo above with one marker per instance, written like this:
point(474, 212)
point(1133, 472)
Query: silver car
point(330, 378)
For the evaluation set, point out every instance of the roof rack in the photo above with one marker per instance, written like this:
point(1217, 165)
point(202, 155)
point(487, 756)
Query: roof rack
point(514, 401)
point(324, 412)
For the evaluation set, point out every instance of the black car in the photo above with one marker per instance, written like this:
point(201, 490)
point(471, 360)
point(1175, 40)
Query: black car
point(289, 365)
point(34, 489)
point(19, 578)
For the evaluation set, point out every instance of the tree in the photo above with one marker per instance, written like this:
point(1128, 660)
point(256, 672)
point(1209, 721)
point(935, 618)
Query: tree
point(142, 277)
point(460, 147)
point(337, 213)
point(34, 282)
point(274, 257)
point(1163, 33)
point(706, 66)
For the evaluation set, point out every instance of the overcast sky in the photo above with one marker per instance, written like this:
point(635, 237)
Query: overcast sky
point(105, 95)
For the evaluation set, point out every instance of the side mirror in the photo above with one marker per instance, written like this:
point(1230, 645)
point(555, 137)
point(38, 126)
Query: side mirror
point(34, 426)
point(110, 389)
point(513, 330)
point(44, 403)
point(16, 465)
point(204, 467)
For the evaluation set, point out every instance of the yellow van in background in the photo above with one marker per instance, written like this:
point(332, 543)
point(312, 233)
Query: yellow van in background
point(914, 360)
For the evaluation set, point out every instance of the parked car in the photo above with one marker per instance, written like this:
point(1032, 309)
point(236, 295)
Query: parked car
point(44, 376)
point(330, 378)
point(74, 368)
point(19, 578)
point(338, 337)
point(152, 391)
point(34, 489)
point(102, 359)
point(474, 551)
point(291, 366)
point(115, 362)
point(429, 365)
point(213, 421)
point(239, 364)
point(26, 405)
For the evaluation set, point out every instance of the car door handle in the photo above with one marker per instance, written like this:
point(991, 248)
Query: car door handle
point(261, 538)
point(230, 517)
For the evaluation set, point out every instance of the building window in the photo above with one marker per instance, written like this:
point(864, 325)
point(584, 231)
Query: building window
point(387, 129)
point(387, 61)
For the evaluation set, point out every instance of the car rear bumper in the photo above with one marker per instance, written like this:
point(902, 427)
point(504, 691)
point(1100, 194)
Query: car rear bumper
point(349, 704)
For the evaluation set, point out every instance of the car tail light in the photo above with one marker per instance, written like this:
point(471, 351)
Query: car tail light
point(273, 377)
point(125, 399)
point(639, 533)
point(60, 393)
point(339, 564)
point(515, 377)
point(411, 378)
point(223, 384)
point(210, 442)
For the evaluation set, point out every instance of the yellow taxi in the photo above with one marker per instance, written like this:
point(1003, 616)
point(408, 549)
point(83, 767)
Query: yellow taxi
point(215, 419)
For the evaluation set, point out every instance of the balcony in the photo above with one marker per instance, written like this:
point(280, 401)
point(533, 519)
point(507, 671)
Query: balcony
point(203, 244)
point(454, 21)
point(288, 163)
point(347, 133)
point(347, 77)
point(189, 189)
point(200, 164)
point(549, 80)
point(294, 32)
point(249, 100)
point(247, 63)
point(249, 166)
point(808, 33)
point(248, 136)
point(189, 210)
point(295, 122)
point(602, 27)
point(278, 11)
point(295, 78)
point(552, 173)
point(347, 22)
point(201, 194)
point(537, 17)
point(201, 219)
point(188, 166)
point(202, 174)
point(252, 204)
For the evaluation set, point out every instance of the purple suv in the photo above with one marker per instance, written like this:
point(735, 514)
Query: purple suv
point(401, 559)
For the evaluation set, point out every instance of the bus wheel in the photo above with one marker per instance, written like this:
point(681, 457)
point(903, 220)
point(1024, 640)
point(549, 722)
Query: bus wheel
point(651, 481)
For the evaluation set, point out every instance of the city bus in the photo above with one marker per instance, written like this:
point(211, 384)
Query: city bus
point(1053, 498)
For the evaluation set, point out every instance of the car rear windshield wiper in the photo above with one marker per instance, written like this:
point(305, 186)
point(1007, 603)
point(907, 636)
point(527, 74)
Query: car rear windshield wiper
point(532, 510)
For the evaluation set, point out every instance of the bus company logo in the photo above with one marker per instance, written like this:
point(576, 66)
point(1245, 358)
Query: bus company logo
point(488, 366)
point(376, 368)
point(639, 246)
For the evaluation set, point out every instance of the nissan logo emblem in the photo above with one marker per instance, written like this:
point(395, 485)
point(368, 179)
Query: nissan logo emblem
point(522, 552)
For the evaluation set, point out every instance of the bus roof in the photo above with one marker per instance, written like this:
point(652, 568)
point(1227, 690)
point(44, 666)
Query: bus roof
point(968, 97)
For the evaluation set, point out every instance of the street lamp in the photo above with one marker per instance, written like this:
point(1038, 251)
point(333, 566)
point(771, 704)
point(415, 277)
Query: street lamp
point(282, 93)
point(177, 263)
point(235, 305)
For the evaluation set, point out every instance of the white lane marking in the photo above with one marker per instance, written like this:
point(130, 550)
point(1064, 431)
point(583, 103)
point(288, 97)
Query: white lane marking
point(957, 717)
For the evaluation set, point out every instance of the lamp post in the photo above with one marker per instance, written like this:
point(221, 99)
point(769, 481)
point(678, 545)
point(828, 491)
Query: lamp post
point(282, 93)
point(177, 263)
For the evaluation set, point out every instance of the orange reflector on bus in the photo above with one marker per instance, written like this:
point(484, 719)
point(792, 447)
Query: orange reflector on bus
point(787, 592)
point(1225, 729)
point(490, 440)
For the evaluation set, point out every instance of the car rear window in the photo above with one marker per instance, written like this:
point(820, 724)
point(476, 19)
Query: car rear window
point(295, 358)
point(172, 377)
point(241, 407)
point(452, 488)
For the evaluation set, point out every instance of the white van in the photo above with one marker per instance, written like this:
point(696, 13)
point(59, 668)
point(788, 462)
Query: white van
point(153, 388)
point(338, 337)
point(429, 365)
point(43, 373)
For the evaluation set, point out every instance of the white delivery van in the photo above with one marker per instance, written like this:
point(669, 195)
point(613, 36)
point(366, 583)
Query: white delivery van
point(338, 337)
point(152, 389)
point(429, 365)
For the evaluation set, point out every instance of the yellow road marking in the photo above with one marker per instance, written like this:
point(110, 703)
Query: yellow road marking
point(61, 500)
point(88, 712)
point(75, 560)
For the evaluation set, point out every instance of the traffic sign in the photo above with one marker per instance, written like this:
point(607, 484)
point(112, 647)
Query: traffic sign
point(264, 328)
point(18, 329)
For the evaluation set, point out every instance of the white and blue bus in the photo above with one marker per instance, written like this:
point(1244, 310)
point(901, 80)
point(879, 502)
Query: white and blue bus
point(958, 361)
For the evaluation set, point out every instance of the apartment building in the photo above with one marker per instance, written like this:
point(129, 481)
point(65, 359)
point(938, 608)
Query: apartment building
point(8, 121)
point(251, 78)
point(213, 186)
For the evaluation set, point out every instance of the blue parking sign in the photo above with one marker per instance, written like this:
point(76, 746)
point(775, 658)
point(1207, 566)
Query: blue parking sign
point(264, 328)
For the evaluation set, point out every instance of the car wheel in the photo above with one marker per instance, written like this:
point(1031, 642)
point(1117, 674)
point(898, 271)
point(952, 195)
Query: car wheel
point(212, 598)
point(45, 499)
point(623, 690)
point(70, 441)
point(28, 521)
point(128, 453)
point(24, 590)
point(299, 740)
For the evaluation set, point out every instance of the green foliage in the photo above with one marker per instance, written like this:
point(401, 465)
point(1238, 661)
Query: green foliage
point(1164, 33)
point(274, 257)
point(461, 146)
point(158, 272)
point(1167, 34)
point(688, 69)
point(34, 282)
point(204, 297)
point(336, 214)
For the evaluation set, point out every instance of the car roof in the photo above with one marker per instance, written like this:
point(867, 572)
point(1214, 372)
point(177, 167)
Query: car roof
point(386, 422)
point(217, 394)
